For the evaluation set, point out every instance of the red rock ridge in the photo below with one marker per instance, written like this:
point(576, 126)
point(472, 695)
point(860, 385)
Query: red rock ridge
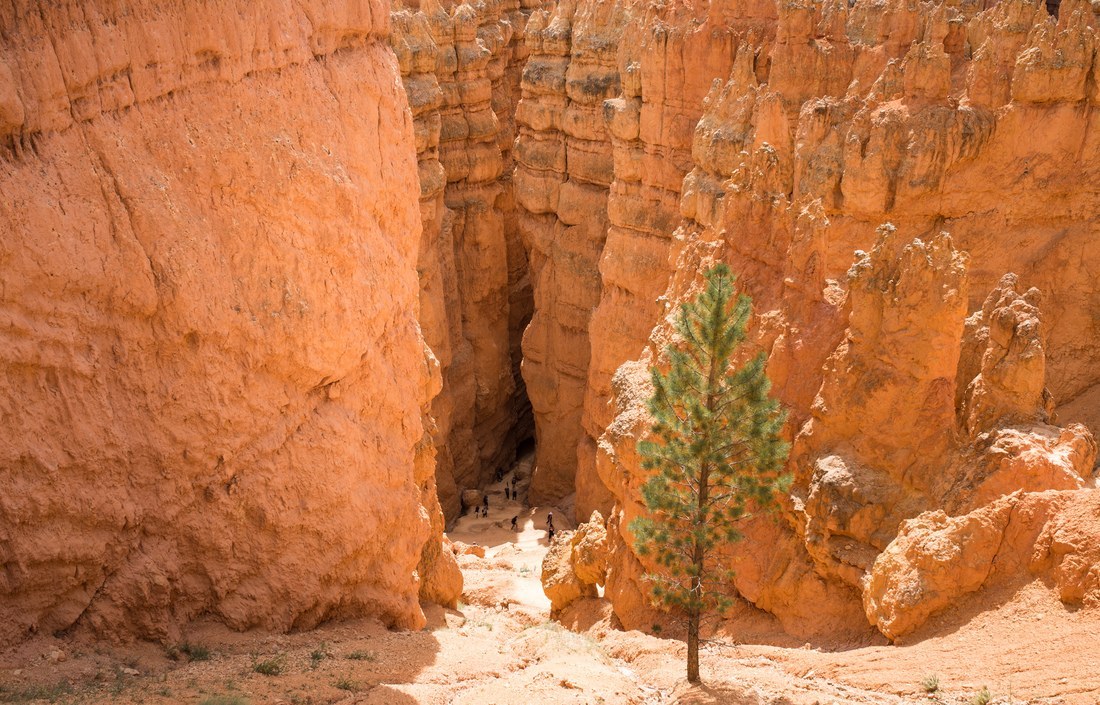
point(214, 382)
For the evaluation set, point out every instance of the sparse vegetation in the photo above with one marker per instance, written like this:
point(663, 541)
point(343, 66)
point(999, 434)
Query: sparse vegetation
point(362, 656)
point(269, 667)
point(49, 693)
point(347, 684)
point(318, 655)
point(224, 700)
point(982, 698)
point(930, 683)
point(193, 652)
point(715, 454)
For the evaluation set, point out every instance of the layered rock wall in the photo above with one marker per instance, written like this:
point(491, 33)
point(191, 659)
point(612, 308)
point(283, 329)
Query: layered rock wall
point(563, 172)
point(834, 119)
point(611, 98)
point(214, 389)
point(460, 65)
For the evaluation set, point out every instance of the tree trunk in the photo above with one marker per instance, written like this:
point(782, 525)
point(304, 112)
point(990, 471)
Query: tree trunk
point(693, 648)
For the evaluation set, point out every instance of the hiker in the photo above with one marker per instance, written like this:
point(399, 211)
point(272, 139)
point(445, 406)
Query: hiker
point(550, 520)
point(514, 478)
point(507, 496)
point(485, 504)
point(514, 520)
point(499, 475)
point(550, 534)
point(477, 511)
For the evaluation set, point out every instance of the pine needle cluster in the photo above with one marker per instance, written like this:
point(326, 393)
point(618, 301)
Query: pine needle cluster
point(714, 451)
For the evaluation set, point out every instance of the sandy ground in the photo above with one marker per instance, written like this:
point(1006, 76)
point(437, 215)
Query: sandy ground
point(500, 648)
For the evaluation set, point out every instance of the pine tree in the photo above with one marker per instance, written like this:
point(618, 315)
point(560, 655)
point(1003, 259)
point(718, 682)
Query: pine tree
point(715, 453)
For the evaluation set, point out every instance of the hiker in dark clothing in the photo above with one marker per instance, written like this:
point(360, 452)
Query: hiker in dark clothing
point(550, 534)
point(550, 520)
point(485, 505)
point(514, 520)
point(506, 494)
point(514, 478)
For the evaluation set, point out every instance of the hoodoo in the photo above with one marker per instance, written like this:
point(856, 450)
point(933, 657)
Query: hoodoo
point(328, 328)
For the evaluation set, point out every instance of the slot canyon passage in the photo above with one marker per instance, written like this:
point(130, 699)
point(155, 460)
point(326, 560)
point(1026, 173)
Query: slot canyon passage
point(289, 289)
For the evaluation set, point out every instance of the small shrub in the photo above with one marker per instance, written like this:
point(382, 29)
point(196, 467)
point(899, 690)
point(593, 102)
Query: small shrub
point(362, 656)
point(318, 655)
point(225, 700)
point(270, 667)
point(930, 684)
point(195, 652)
point(346, 684)
point(981, 698)
point(35, 692)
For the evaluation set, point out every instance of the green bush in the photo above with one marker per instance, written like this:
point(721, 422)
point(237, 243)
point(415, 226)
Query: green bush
point(224, 700)
point(347, 684)
point(930, 683)
point(270, 667)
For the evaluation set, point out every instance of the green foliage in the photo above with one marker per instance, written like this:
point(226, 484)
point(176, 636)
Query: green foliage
point(224, 700)
point(982, 698)
point(930, 683)
point(318, 655)
point(270, 667)
point(51, 693)
point(347, 684)
point(714, 452)
point(195, 652)
point(362, 656)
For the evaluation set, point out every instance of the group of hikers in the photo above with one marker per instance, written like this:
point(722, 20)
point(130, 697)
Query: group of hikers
point(510, 493)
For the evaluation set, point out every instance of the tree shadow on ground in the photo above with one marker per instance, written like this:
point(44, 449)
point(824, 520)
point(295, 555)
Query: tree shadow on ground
point(706, 694)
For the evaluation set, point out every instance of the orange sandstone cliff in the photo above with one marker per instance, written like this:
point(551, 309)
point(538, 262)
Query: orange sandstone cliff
point(461, 68)
point(278, 280)
point(215, 394)
point(899, 186)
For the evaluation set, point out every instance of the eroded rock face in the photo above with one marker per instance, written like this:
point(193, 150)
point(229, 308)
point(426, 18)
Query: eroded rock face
point(559, 580)
point(936, 559)
point(907, 393)
point(563, 171)
point(857, 474)
point(214, 383)
point(611, 97)
point(576, 564)
point(1007, 338)
point(460, 64)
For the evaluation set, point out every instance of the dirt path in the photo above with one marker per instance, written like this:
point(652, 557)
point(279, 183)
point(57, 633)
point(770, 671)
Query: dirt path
point(499, 647)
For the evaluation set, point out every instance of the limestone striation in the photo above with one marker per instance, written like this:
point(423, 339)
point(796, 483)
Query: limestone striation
point(937, 383)
point(215, 394)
